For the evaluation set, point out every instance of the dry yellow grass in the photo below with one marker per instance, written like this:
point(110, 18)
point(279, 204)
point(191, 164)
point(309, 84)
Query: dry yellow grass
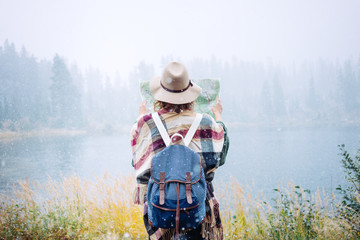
point(76, 208)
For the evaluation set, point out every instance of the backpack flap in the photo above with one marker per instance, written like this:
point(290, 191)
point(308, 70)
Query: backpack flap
point(182, 160)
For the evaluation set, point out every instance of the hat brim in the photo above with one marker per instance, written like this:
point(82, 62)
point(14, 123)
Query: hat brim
point(160, 94)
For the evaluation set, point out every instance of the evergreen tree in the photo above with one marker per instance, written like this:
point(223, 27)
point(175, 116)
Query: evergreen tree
point(145, 71)
point(64, 95)
point(6, 115)
point(266, 101)
point(138, 73)
point(312, 100)
point(1, 113)
point(10, 80)
point(358, 85)
point(44, 93)
point(347, 88)
point(278, 99)
point(93, 94)
point(29, 87)
point(10, 110)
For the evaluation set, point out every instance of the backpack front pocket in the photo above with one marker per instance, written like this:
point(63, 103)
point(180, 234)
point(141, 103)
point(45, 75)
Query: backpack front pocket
point(165, 215)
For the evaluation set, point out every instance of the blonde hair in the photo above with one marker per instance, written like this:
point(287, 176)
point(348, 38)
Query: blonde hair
point(158, 105)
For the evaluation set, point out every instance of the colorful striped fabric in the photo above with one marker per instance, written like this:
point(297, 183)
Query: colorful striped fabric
point(208, 141)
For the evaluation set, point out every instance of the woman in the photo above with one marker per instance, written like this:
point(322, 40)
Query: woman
point(175, 95)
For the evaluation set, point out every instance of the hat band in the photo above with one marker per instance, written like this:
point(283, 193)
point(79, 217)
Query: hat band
point(176, 91)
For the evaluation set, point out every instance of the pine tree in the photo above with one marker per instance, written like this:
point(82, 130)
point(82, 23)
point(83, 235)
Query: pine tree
point(1, 113)
point(312, 100)
point(347, 88)
point(278, 98)
point(64, 95)
point(266, 101)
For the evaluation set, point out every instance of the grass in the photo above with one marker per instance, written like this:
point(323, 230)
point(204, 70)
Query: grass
point(76, 208)
point(293, 214)
point(72, 209)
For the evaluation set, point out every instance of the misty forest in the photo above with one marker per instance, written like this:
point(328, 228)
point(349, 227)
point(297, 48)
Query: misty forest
point(52, 93)
point(76, 181)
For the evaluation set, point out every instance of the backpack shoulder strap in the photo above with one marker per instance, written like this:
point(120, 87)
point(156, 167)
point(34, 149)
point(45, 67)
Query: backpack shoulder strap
point(190, 134)
point(161, 128)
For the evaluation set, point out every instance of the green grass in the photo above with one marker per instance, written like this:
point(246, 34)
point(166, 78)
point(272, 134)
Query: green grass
point(293, 214)
point(75, 208)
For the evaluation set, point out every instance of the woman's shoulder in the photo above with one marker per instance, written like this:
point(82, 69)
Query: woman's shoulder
point(143, 119)
point(141, 122)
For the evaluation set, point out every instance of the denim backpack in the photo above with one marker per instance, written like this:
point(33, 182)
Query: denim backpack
point(177, 187)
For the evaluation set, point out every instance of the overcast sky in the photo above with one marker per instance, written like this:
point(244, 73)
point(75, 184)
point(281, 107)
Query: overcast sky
point(115, 35)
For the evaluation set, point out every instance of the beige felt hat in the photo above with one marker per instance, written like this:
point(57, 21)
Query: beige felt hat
point(174, 86)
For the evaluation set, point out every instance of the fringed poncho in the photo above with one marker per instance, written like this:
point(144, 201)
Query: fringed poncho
point(210, 141)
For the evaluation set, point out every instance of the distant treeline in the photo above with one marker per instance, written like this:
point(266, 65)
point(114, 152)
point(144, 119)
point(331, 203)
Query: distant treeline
point(51, 93)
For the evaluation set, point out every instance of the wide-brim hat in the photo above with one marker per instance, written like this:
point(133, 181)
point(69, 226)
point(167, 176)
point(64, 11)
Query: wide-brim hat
point(174, 86)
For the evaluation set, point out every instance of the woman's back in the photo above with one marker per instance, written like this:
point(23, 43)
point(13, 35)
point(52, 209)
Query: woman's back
point(208, 139)
point(175, 94)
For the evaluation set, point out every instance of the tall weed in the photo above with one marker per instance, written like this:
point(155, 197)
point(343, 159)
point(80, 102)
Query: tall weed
point(75, 208)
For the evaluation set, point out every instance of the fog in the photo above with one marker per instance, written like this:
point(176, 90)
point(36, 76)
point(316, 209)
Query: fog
point(78, 64)
point(52, 94)
point(116, 35)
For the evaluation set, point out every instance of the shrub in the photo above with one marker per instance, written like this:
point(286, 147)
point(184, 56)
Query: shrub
point(350, 209)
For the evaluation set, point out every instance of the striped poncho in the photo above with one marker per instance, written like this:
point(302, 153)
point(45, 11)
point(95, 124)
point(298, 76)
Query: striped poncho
point(208, 141)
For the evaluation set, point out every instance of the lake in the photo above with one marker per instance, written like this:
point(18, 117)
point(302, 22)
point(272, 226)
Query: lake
point(260, 158)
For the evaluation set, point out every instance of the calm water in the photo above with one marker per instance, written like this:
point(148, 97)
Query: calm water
point(261, 158)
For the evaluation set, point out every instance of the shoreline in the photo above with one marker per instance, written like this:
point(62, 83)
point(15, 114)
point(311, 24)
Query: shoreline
point(275, 125)
point(13, 135)
point(282, 125)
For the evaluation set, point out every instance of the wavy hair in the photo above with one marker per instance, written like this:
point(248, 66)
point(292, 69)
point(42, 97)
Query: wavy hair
point(158, 105)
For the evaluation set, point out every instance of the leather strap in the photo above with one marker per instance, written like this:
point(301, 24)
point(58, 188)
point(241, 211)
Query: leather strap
point(188, 188)
point(162, 188)
point(177, 218)
point(190, 134)
point(161, 128)
point(174, 209)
